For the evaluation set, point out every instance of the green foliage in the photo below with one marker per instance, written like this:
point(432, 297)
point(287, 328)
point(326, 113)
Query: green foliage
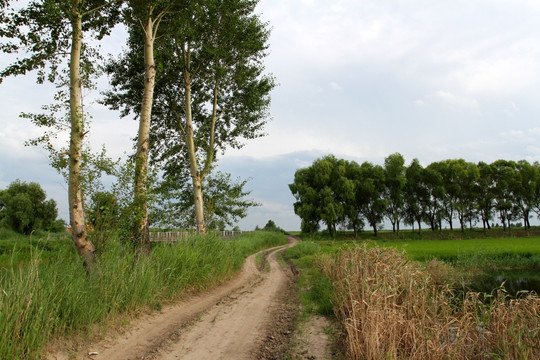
point(395, 179)
point(210, 92)
point(338, 192)
point(42, 300)
point(322, 193)
point(316, 289)
point(24, 208)
point(42, 31)
point(271, 226)
point(225, 202)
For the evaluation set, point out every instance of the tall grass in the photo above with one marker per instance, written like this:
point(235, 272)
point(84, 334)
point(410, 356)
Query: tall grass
point(48, 244)
point(391, 308)
point(43, 300)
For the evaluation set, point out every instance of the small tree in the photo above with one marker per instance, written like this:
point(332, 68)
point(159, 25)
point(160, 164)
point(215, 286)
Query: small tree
point(24, 208)
point(416, 194)
point(226, 201)
point(395, 179)
point(271, 226)
point(370, 187)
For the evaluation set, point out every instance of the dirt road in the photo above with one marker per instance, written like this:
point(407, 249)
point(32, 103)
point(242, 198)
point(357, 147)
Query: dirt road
point(246, 318)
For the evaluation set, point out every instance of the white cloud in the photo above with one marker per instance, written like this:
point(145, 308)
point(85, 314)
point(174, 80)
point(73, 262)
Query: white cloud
point(335, 86)
point(504, 75)
point(456, 100)
point(534, 131)
point(531, 134)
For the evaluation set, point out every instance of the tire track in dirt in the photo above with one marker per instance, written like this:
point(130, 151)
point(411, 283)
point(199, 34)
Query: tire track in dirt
point(227, 322)
point(235, 330)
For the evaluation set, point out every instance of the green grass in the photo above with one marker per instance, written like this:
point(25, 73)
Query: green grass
point(315, 289)
point(523, 253)
point(41, 300)
point(16, 248)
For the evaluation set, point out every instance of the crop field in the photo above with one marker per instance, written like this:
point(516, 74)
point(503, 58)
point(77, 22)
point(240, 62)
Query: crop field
point(509, 251)
point(402, 299)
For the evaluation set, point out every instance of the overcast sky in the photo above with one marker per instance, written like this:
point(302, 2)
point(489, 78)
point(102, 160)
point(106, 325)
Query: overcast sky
point(359, 79)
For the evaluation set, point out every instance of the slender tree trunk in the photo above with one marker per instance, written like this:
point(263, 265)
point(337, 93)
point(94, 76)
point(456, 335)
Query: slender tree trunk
point(196, 176)
point(375, 229)
point(199, 204)
point(84, 246)
point(141, 157)
point(419, 226)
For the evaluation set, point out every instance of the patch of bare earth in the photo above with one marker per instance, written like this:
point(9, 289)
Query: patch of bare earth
point(312, 340)
point(250, 317)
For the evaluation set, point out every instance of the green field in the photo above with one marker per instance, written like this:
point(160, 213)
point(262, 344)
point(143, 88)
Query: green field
point(514, 252)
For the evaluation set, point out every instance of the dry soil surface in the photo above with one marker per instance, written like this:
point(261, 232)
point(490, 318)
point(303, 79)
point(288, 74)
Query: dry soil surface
point(249, 317)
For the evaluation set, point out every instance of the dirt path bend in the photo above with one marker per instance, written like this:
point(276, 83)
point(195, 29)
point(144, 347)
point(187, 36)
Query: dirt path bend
point(228, 322)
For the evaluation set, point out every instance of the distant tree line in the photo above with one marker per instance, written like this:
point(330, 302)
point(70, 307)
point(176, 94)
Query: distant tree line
point(337, 192)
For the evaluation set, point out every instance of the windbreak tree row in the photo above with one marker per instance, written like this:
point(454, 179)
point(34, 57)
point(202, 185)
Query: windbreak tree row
point(339, 192)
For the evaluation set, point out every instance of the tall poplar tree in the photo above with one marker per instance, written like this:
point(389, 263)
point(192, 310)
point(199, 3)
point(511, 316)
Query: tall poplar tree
point(50, 34)
point(210, 91)
point(148, 16)
point(394, 169)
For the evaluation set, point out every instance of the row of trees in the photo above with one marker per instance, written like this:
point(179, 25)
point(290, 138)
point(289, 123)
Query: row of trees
point(336, 191)
point(192, 75)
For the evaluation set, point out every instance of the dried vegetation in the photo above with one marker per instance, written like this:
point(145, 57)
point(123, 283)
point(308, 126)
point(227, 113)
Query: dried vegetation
point(393, 308)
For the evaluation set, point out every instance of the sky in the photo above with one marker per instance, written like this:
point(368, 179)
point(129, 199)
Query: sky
point(360, 79)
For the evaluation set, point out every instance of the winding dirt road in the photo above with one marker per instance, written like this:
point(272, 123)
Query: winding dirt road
point(233, 321)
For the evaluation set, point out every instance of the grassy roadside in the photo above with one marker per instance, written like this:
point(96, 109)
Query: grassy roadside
point(314, 295)
point(42, 300)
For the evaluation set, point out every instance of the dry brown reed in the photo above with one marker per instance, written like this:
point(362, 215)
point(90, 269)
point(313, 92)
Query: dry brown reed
point(392, 308)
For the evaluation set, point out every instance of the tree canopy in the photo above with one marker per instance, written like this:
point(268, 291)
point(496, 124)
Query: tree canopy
point(24, 208)
point(210, 90)
point(340, 192)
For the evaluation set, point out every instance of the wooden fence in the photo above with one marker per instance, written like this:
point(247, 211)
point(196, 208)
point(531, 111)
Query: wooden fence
point(174, 236)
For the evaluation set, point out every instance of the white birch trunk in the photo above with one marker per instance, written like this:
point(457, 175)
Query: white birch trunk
point(196, 176)
point(141, 157)
point(75, 193)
